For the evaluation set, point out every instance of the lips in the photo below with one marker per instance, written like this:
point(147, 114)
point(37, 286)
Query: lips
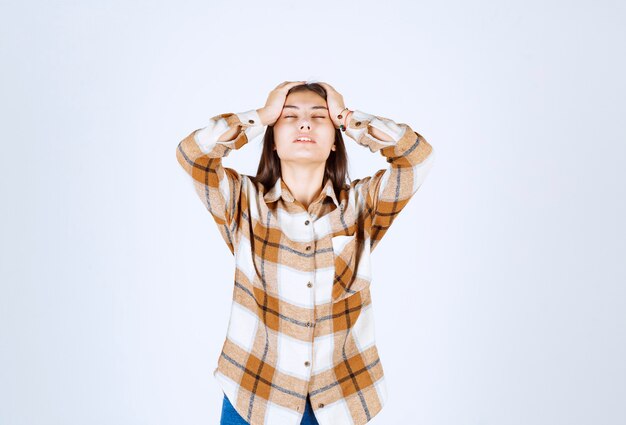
point(309, 140)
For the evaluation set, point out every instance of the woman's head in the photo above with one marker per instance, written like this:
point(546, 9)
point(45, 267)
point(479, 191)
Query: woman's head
point(305, 114)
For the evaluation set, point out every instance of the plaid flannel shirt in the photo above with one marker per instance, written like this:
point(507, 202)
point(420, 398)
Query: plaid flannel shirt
point(301, 320)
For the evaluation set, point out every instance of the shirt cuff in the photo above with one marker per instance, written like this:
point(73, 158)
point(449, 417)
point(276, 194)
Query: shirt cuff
point(249, 118)
point(359, 121)
point(251, 123)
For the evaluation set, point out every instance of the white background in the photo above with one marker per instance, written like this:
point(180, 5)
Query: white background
point(506, 271)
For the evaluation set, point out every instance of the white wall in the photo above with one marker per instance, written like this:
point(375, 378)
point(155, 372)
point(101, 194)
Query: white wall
point(115, 284)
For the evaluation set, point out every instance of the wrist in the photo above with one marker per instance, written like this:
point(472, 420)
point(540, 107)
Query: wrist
point(343, 121)
point(339, 117)
point(347, 117)
point(262, 115)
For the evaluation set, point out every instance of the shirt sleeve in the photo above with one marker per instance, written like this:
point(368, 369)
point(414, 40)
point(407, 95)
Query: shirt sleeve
point(385, 193)
point(219, 188)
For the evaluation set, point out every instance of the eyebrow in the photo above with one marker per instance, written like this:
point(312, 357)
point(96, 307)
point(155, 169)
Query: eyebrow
point(312, 107)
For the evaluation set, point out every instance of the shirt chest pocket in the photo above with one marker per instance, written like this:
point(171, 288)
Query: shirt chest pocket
point(344, 237)
point(342, 243)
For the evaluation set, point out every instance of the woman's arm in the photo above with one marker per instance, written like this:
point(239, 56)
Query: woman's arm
point(219, 188)
point(388, 191)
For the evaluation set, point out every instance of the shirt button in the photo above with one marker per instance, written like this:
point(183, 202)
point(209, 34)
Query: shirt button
point(307, 222)
point(251, 121)
point(307, 363)
point(320, 405)
point(309, 284)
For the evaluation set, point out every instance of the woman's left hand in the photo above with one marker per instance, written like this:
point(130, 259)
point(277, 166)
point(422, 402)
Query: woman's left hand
point(335, 103)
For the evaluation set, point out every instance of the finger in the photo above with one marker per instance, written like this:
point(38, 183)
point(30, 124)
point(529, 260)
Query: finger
point(286, 83)
point(290, 84)
point(327, 86)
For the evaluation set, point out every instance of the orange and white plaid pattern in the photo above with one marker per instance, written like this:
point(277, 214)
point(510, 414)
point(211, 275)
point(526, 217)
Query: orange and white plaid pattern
point(301, 318)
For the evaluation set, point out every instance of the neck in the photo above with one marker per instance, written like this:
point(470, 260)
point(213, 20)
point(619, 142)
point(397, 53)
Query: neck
point(305, 182)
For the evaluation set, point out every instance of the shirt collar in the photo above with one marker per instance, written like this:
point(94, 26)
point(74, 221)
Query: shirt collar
point(280, 190)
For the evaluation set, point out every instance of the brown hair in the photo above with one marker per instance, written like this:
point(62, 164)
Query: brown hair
point(336, 165)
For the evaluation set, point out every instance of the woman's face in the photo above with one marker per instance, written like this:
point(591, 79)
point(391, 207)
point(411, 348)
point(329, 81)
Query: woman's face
point(305, 114)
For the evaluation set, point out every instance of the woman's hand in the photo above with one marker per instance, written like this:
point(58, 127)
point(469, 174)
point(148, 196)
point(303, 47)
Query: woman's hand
point(276, 100)
point(335, 104)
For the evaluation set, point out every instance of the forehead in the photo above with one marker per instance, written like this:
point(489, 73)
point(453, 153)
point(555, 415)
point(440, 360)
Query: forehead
point(304, 100)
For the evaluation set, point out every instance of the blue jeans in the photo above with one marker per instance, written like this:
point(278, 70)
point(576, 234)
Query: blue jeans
point(231, 417)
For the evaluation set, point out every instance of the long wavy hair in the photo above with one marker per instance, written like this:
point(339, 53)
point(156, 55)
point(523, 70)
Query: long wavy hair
point(336, 168)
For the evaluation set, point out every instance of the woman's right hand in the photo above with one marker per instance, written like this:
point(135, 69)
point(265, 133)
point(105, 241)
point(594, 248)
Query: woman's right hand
point(276, 100)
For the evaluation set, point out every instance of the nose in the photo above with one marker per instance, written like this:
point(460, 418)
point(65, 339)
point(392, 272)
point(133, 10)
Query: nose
point(305, 124)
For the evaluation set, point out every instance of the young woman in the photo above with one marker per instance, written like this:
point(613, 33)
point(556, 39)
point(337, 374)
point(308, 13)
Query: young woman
point(300, 346)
